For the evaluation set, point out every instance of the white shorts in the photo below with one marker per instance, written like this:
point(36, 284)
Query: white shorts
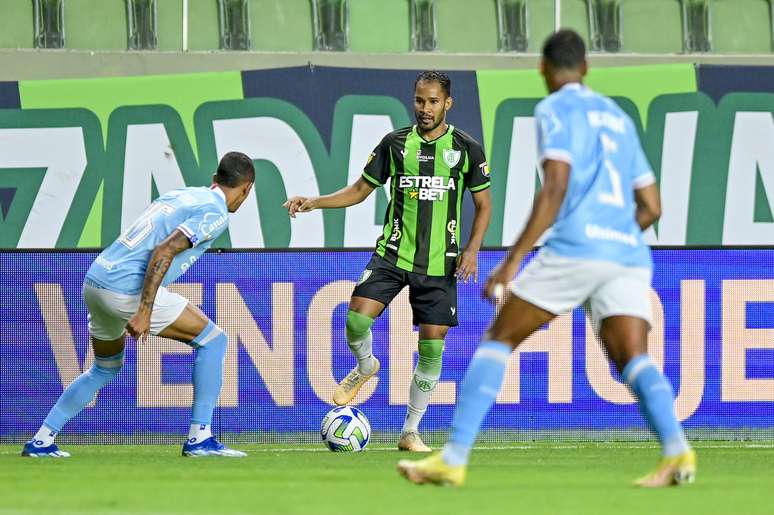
point(558, 284)
point(109, 311)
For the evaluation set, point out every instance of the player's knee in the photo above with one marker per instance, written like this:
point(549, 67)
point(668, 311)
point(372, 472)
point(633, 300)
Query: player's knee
point(108, 367)
point(431, 355)
point(210, 334)
point(357, 325)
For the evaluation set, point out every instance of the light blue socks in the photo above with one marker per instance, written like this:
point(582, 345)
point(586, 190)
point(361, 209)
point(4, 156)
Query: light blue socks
point(210, 352)
point(480, 387)
point(657, 403)
point(81, 391)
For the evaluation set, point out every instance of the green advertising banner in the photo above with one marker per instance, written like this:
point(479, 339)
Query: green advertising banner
point(80, 159)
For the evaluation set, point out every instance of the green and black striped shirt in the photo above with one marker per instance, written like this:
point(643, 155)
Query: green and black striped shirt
point(421, 227)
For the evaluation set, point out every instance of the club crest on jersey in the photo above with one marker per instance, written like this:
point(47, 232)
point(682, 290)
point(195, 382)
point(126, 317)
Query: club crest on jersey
point(451, 157)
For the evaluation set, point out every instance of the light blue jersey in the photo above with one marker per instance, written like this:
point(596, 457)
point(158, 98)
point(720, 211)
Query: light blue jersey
point(600, 142)
point(199, 213)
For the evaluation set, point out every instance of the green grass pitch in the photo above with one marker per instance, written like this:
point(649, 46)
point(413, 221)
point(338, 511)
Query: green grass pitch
point(529, 479)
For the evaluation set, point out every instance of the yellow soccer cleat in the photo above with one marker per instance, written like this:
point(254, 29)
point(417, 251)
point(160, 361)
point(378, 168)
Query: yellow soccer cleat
point(432, 470)
point(412, 442)
point(671, 471)
point(351, 384)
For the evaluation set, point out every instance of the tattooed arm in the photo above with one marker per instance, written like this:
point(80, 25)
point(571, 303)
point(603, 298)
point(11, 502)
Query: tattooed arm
point(139, 325)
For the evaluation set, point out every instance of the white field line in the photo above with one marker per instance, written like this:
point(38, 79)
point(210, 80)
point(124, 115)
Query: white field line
point(505, 447)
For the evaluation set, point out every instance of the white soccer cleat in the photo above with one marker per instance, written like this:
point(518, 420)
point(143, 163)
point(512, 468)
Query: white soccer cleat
point(412, 442)
point(350, 385)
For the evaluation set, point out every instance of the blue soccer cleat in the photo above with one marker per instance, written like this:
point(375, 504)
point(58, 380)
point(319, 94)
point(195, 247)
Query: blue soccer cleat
point(50, 451)
point(210, 447)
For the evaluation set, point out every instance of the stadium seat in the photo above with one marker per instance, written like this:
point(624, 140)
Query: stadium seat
point(202, 25)
point(540, 16)
point(640, 17)
point(95, 25)
point(465, 26)
point(169, 19)
point(575, 16)
point(17, 26)
point(393, 34)
point(741, 26)
point(295, 16)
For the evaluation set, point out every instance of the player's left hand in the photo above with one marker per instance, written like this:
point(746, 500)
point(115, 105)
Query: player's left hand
point(139, 326)
point(467, 265)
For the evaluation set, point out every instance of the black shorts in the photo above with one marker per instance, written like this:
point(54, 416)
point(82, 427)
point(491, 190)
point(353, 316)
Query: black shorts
point(433, 298)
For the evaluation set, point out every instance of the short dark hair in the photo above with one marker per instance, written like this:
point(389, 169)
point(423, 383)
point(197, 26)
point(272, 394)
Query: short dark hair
point(434, 76)
point(564, 49)
point(235, 169)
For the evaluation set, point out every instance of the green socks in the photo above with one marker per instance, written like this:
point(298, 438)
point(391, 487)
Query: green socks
point(359, 341)
point(423, 383)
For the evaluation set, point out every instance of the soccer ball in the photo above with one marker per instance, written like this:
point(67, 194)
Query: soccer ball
point(345, 429)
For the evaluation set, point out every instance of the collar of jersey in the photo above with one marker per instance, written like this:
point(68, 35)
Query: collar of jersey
point(449, 128)
point(572, 86)
point(219, 192)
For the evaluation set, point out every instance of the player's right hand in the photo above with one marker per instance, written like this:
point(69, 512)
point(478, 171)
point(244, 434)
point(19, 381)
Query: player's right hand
point(139, 326)
point(298, 205)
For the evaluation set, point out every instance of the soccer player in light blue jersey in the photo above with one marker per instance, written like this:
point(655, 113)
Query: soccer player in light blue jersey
point(598, 195)
point(125, 291)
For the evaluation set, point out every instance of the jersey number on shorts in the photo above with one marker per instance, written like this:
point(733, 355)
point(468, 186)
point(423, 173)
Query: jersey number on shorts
point(614, 197)
point(143, 226)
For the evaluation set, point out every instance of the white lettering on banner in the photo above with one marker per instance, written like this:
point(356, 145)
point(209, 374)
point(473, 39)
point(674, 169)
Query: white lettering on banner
point(149, 158)
point(556, 342)
point(367, 131)
point(275, 363)
point(403, 346)
point(152, 391)
point(274, 140)
point(675, 179)
point(520, 182)
point(737, 339)
point(598, 367)
point(319, 349)
point(53, 308)
point(607, 387)
point(692, 330)
point(62, 152)
point(752, 151)
point(677, 159)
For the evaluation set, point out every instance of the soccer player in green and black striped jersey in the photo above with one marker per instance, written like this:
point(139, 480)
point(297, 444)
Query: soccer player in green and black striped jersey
point(428, 167)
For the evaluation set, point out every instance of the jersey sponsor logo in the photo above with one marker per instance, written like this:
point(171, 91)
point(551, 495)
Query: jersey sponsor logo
point(424, 158)
point(484, 169)
point(595, 232)
point(104, 263)
point(396, 232)
point(426, 188)
point(451, 157)
point(211, 222)
point(452, 228)
point(186, 265)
